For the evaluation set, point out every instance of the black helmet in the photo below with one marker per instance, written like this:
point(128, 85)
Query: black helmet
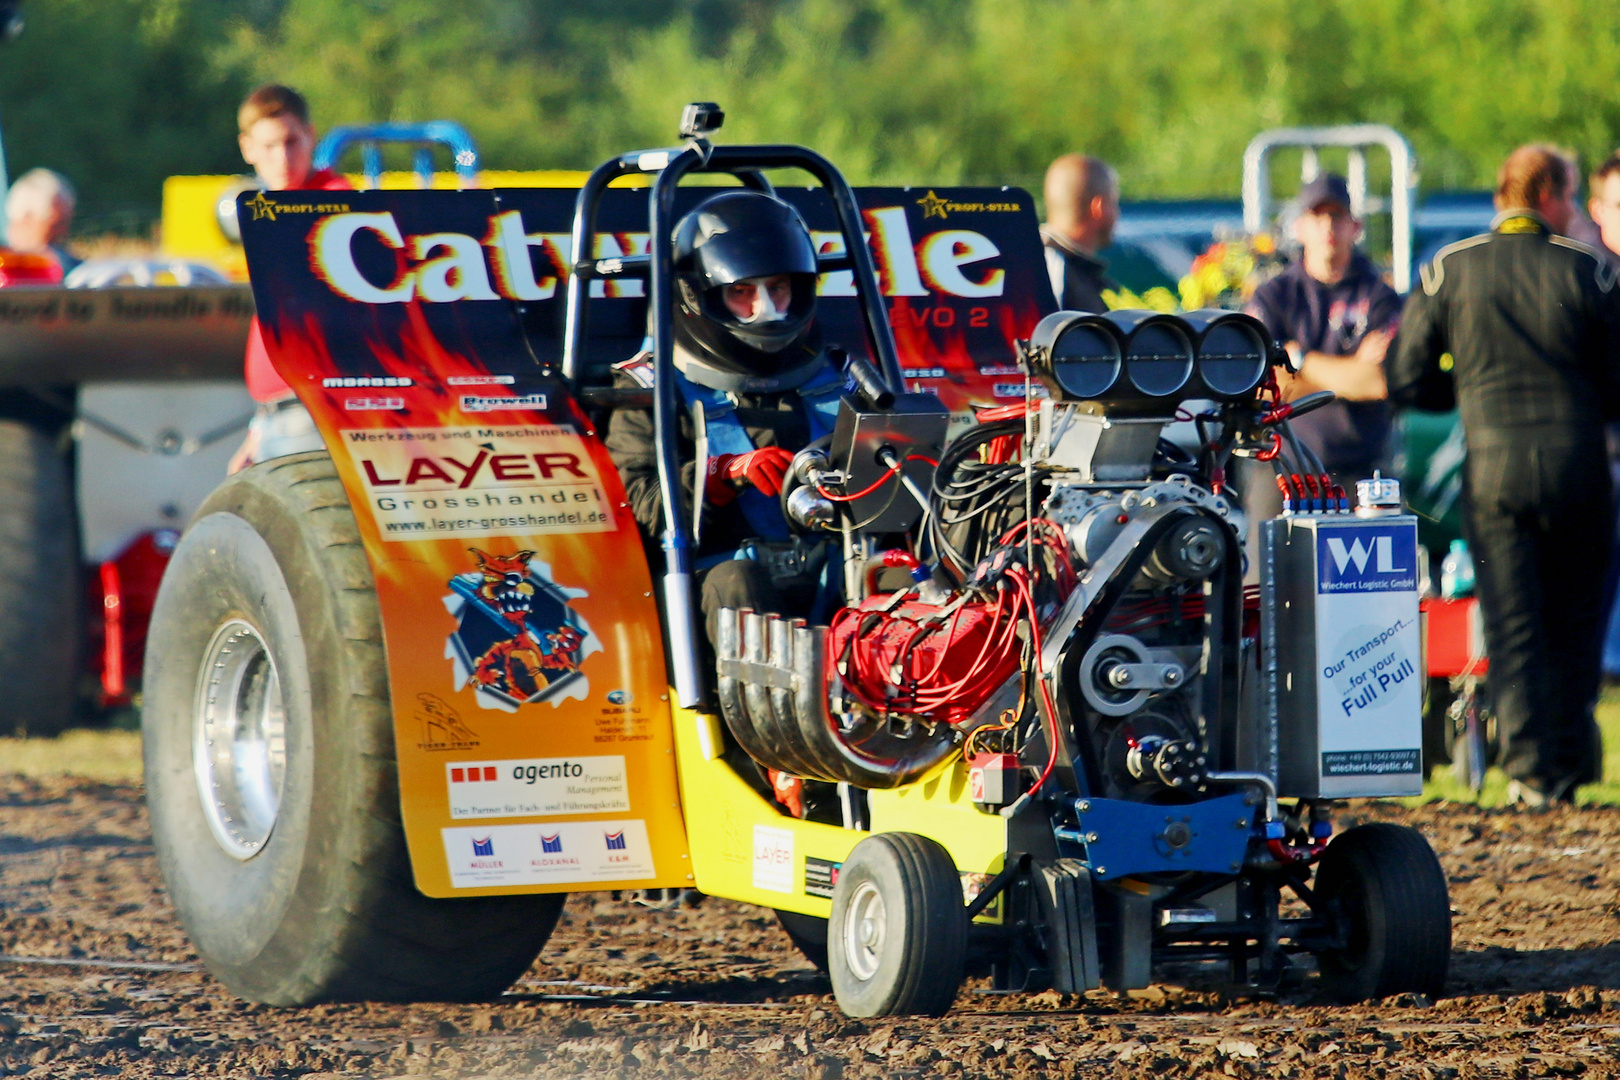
point(734, 237)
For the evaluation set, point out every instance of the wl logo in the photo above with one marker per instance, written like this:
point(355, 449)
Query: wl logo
point(1384, 546)
point(551, 844)
point(1363, 559)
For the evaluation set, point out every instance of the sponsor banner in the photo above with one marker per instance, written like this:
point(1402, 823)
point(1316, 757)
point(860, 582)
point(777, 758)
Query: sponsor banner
point(551, 854)
point(773, 859)
point(1366, 558)
point(820, 875)
point(471, 481)
point(1369, 648)
point(517, 603)
point(536, 787)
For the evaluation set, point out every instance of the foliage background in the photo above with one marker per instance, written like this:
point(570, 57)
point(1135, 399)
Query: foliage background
point(121, 93)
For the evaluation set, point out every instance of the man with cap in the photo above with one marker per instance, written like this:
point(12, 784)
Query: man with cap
point(1336, 316)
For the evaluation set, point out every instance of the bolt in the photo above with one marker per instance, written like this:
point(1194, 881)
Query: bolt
point(1242, 823)
point(1085, 806)
point(1091, 838)
point(1102, 870)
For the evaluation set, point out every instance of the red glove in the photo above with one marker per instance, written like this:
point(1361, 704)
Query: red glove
point(764, 470)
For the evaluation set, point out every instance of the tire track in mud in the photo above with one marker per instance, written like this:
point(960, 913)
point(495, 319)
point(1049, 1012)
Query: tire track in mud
point(717, 991)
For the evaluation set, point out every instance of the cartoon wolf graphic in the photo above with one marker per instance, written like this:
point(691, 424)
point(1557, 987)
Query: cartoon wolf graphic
point(517, 640)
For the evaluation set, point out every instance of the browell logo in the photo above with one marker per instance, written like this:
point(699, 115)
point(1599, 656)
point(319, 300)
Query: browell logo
point(476, 403)
point(1366, 558)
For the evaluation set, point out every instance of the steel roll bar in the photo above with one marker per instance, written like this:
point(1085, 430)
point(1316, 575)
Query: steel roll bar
point(669, 166)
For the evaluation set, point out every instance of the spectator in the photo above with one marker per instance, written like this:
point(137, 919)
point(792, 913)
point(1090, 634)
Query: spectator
point(1336, 316)
point(276, 138)
point(39, 214)
point(1531, 320)
point(1082, 205)
point(1604, 205)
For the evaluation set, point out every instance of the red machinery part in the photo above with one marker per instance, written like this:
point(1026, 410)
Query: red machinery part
point(128, 588)
point(993, 779)
point(1454, 637)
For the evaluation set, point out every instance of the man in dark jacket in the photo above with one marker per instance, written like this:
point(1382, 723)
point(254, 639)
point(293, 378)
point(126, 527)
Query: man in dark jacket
point(1519, 329)
point(1082, 206)
point(754, 386)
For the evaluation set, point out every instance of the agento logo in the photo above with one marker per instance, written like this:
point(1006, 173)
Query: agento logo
point(1366, 558)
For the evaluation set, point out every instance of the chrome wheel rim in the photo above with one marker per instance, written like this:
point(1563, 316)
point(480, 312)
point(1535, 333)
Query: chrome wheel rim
point(239, 749)
point(865, 927)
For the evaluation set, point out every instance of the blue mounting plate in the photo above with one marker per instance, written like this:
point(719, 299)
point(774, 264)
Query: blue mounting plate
point(1123, 838)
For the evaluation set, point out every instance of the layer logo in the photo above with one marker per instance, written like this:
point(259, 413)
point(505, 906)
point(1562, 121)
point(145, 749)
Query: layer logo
point(1366, 559)
point(615, 840)
point(486, 846)
point(551, 844)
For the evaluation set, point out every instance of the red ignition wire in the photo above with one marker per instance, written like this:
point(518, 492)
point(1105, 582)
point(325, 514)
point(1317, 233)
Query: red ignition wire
point(1046, 697)
point(1271, 452)
point(879, 482)
point(1000, 412)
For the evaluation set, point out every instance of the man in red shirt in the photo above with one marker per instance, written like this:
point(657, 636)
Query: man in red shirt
point(277, 140)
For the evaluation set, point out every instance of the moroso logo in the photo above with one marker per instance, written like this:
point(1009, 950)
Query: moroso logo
point(447, 267)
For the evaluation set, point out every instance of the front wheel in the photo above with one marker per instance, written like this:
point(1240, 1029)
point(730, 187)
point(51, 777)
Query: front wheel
point(270, 773)
point(897, 939)
point(1387, 891)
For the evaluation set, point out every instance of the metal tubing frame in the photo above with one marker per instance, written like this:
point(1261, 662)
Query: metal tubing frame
point(669, 166)
point(445, 133)
point(1258, 203)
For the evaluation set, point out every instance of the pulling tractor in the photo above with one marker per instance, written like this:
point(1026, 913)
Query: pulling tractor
point(403, 695)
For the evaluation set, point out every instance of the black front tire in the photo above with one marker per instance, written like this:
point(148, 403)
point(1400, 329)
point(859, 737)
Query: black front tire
point(1387, 890)
point(41, 598)
point(897, 939)
point(325, 907)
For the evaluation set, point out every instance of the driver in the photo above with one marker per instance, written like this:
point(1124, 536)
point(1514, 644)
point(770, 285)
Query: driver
point(755, 387)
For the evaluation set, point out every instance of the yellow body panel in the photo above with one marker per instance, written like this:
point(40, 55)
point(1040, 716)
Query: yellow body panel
point(191, 229)
point(744, 849)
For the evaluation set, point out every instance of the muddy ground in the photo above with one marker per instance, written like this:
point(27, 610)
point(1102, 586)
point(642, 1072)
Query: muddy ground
point(719, 992)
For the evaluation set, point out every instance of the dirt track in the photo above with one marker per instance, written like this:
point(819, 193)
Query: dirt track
point(718, 991)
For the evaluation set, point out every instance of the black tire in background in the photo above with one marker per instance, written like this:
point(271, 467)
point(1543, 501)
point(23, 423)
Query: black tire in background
point(808, 934)
point(897, 939)
point(1388, 888)
point(41, 595)
point(320, 903)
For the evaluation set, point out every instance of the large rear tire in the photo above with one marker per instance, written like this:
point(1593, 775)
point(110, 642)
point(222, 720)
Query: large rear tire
point(270, 768)
point(41, 599)
point(897, 939)
point(1387, 889)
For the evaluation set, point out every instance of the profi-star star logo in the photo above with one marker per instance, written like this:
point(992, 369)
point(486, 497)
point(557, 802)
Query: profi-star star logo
point(261, 207)
point(933, 205)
